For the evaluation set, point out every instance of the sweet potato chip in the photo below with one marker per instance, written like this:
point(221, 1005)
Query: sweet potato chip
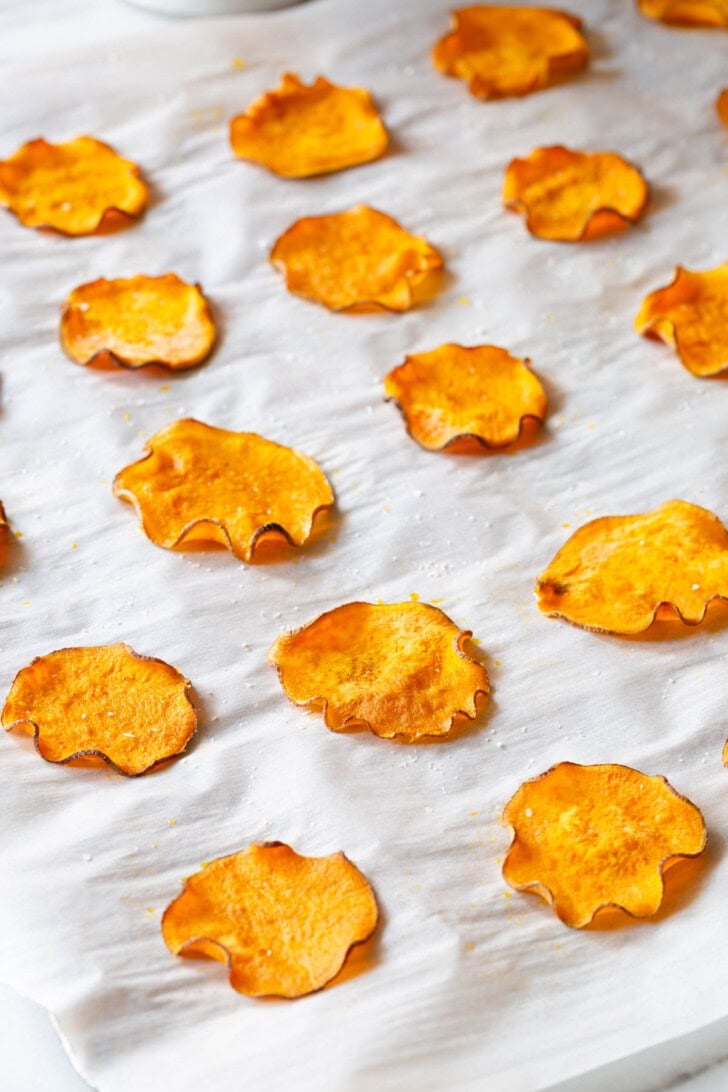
point(138, 321)
point(572, 197)
point(355, 260)
point(721, 106)
point(503, 51)
point(686, 13)
point(618, 574)
point(205, 484)
point(301, 130)
point(591, 838)
point(79, 188)
point(100, 704)
point(283, 923)
point(691, 315)
point(399, 669)
point(455, 393)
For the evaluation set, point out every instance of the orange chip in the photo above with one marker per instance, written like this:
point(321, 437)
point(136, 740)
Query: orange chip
point(355, 260)
point(79, 188)
point(618, 574)
point(205, 484)
point(721, 106)
point(284, 924)
point(299, 130)
point(138, 321)
point(691, 314)
point(100, 704)
point(686, 13)
point(5, 534)
point(398, 669)
point(572, 197)
point(503, 51)
point(453, 394)
point(592, 838)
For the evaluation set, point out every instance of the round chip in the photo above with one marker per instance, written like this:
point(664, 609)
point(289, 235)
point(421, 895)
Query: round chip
point(686, 13)
point(355, 260)
point(454, 394)
point(503, 51)
point(593, 838)
point(398, 669)
point(721, 105)
point(571, 197)
point(204, 484)
point(105, 703)
point(79, 188)
point(284, 924)
point(691, 315)
point(617, 574)
point(138, 321)
point(301, 130)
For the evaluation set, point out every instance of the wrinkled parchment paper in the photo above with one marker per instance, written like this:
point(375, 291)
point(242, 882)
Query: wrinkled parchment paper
point(467, 985)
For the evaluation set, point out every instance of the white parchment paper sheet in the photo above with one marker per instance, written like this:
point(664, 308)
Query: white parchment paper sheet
point(466, 986)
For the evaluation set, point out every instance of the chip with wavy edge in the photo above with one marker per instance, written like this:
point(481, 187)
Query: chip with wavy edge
point(618, 574)
point(573, 197)
point(591, 838)
point(81, 187)
point(691, 315)
point(721, 106)
point(137, 321)
point(199, 483)
point(300, 130)
point(398, 669)
point(686, 13)
point(102, 704)
point(457, 393)
point(356, 260)
point(284, 924)
point(504, 51)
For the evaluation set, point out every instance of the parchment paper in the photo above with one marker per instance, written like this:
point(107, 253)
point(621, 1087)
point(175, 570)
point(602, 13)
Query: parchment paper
point(467, 986)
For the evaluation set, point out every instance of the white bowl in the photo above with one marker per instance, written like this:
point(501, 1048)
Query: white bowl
point(212, 7)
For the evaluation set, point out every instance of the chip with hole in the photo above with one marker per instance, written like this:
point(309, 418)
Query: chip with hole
point(81, 187)
point(721, 106)
point(594, 838)
point(686, 13)
point(398, 669)
point(572, 197)
point(691, 315)
point(200, 484)
point(137, 321)
point(303, 129)
point(454, 394)
point(102, 704)
point(502, 51)
point(358, 260)
point(284, 924)
point(618, 574)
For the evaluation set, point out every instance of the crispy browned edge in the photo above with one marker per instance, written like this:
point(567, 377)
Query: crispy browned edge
point(522, 209)
point(359, 305)
point(120, 362)
point(264, 101)
point(556, 67)
point(135, 170)
point(182, 951)
point(268, 528)
point(650, 332)
point(360, 722)
point(538, 888)
point(93, 751)
point(526, 361)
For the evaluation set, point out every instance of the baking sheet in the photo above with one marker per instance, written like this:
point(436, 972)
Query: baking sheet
point(466, 984)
